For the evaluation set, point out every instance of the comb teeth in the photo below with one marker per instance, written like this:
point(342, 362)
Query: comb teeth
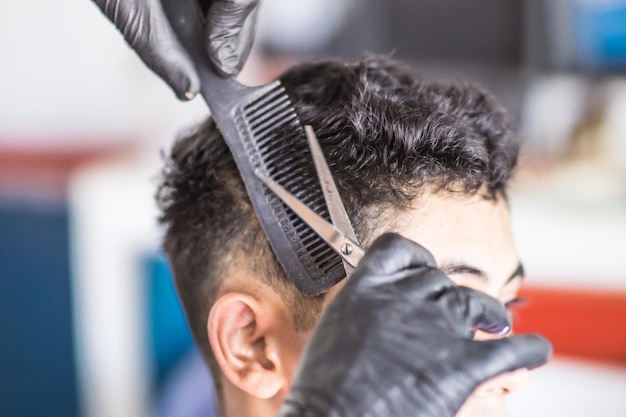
point(248, 118)
point(284, 159)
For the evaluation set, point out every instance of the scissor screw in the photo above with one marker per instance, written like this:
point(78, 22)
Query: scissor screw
point(346, 249)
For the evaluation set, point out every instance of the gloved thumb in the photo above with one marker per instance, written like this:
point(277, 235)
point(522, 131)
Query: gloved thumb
point(495, 357)
point(230, 30)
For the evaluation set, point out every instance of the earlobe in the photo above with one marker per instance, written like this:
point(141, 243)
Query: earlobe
point(238, 330)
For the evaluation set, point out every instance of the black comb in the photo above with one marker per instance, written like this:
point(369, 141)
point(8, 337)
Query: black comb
point(249, 119)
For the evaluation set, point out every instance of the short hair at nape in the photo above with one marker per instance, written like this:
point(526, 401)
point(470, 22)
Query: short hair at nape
point(388, 135)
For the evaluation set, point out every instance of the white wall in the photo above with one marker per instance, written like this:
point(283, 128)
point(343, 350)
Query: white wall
point(66, 75)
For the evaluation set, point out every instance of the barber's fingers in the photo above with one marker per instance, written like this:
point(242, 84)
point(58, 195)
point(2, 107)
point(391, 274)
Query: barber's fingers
point(494, 357)
point(168, 58)
point(147, 30)
point(474, 310)
point(391, 258)
point(230, 30)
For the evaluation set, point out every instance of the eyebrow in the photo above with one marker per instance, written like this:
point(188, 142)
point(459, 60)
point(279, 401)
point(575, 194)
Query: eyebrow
point(454, 268)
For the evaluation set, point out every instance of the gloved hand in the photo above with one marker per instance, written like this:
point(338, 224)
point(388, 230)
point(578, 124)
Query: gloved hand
point(229, 32)
point(397, 341)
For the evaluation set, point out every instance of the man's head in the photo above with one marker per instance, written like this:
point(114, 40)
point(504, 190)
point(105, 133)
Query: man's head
point(428, 160)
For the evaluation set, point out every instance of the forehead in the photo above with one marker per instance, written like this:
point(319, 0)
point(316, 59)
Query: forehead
point(461, 230)
point(464, 229)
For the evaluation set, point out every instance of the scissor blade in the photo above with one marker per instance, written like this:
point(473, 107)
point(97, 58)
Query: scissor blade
point(336, 209)
point(347, 248)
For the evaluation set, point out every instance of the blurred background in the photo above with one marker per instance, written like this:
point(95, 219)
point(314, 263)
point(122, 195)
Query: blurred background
point(89, 322)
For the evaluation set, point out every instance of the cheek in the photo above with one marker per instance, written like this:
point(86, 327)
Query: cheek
point(332, 293)
point(480, 406)
point(291, 355)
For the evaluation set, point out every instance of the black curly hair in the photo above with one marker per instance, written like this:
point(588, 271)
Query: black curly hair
point(389, 137)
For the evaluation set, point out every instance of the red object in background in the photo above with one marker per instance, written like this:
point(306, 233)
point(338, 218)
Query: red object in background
point(43, 171)
point(591, 324)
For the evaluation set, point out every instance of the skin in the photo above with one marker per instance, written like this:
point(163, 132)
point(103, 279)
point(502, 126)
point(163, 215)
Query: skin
point(469, 236)
point(479, 254)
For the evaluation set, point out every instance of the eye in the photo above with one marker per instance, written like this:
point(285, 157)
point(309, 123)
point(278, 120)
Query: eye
point(514, 302)
point(512, 305)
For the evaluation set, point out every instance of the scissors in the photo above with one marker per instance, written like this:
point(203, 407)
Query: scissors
point(339, 235)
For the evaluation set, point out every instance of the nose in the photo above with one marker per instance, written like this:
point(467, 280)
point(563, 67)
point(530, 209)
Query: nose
point(505, 383)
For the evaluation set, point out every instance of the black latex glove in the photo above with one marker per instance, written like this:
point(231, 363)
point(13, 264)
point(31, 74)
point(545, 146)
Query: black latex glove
point(397, 341)
point(230, 27)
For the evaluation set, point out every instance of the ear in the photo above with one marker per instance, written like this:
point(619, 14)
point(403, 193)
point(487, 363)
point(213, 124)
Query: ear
point(246, 337)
